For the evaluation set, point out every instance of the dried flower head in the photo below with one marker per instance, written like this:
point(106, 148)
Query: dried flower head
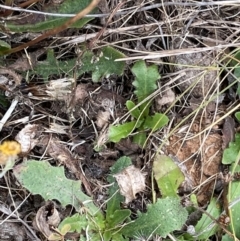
point(10, 148)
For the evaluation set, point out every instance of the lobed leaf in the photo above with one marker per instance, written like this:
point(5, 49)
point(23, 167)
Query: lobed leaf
point(161, 218)
point(50, 182)
point(146, 79)
point(100, 64)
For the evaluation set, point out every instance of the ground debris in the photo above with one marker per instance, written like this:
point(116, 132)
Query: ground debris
point(198, 76)
point(201, 155)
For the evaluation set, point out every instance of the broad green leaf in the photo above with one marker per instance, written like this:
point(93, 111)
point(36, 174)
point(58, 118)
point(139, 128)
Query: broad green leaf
point(118, 217)
point(155, 122)
point(41, 178)
point(50, 22)
point(146, 79)
point(165, 216)
point(206, 227)
point(77, 223)
point(230, 153)
point(107, 235)
point(130, 106)
point(118, 237)
point(100, 64)
point(116, 133)
point(140, 138)
point(4, 46)
point(226, 237)
point(167, 175)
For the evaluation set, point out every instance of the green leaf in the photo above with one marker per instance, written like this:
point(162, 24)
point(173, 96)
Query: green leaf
point(230, 153)
point(226, 237)
point(4, 46)
point(118, 237)
point(65, 229)
point(155, 122)
point(206, 227)
point(118, 217)
point(233, 195)
point(237, 115)
point(106, 64)
point(140, 138)
point(130, 106)
point(77, 223)
point(100, 64)
point(116, 133)
point(146, 79)
point(167, 175)
point(68, 6)
point(50, 182)
point(161, 218)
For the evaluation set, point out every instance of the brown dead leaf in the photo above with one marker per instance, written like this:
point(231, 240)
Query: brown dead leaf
point(60, 89)
point(46, 218)
point(14, 79)
point(28, 137)
point(130, 181)
point(127, 147)
point(228, 131)
point(202, 159)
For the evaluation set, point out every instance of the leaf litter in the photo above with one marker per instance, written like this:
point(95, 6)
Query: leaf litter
point(63, 113)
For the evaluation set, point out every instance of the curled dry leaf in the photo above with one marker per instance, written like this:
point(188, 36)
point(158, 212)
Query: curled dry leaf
point(28, 137)
point(56, 128)
point(102, 118)
point(228, 131)
point(46, 218)
point(168, 97)
point(13, 78)
point(59, 89)
point(130, 181)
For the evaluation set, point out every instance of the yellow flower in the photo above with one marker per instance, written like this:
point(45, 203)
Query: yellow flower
point(10, 148)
